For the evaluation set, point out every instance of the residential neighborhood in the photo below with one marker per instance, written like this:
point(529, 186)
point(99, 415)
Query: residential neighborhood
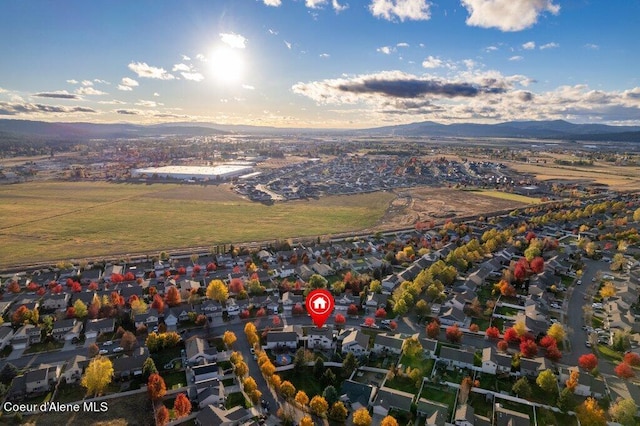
point(528, 317)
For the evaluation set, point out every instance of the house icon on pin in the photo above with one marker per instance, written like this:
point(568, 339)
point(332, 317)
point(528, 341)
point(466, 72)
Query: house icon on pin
point(320, 304)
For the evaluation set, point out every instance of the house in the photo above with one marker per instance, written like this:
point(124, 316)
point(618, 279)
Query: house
point(283, 339)
point(343, 302)
point(289, 300)
point(429, 347)
point(171, 319)
point(74, 333)
point(211, 393)
point(212, 415)
point(127, 367)
point(391, 399)
point(456, 357)
point(464, 415)
point(433, 412)
point(74, 368)
point(62, 327)
point(18, 389)
point(356, 342)
point(148, 319)
point(95, 327)
point(197, 350)
point(211, 309)
point(377, 300)
point(189, 286)
point(203, 373)
point(388, 343)
point(6, 334)
point(453, 315)
point(357, 394)
point(56, 301)
point(25, 336)
point(42, 379)
point(506, 417)
point(320, 338)
point(588, 385)
point(494, 362)
point(531, 367)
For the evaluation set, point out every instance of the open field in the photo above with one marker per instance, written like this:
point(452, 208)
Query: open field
point(508, 196)
point(49, 221)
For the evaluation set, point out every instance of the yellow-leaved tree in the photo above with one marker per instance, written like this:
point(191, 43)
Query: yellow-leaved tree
point(97, 376)
point(361, 417)
point(557, 332)
point(217, 290)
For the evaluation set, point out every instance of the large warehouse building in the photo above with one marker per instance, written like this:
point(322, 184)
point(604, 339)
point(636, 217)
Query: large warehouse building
point(222, 172)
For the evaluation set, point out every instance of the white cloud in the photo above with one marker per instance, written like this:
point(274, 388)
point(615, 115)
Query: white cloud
point(338, 7)
point(314, 4)
point(193, 76)
point(469, 63)
point(97, 80)
point(286, 43)
point(592, 46)
point(432, 62)
point(127, 84)
point(490, 48)
point(124, 88)
point(385, 49)
point(146, 71)
point(88, 90)
point(507, 15)
point(181, 67)
point(516, 58)
point(273, 3)
point(234, 40)
point(112, 102)
point(273, 32)
point(551, 45)
point(414, 10)
point(72, 81)
point(2, 90)
point(402, 44)
point(87, 83)
point(156, 94)
point(148, 104)
point(248, 87)
point(185, 58)
point(324, 55)
point(529, 45)
point(201, 57)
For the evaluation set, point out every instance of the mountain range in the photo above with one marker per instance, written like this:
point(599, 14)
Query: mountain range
point(556, 129)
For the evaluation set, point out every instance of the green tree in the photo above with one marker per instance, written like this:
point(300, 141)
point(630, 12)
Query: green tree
point(318, 368)
point(624, 412)
point(421, 308)
point(317, 281)
point(349, 364)
point(565, 400)
point(80, 309)
point(148, 368)
point(522, 388)
point(400, 307)
point(547, 381)
point(330, 395)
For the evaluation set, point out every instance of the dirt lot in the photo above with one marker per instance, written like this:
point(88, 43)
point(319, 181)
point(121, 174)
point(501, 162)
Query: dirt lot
point(422, 204)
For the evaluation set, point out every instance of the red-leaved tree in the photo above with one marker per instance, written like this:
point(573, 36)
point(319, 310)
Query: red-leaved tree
point(156, 387)
point(297, 309)
point(511, 335)
point(632, 358)
point(503, 345)
point(368, 321)
point(588, 361)
point(381, 313)
point(433, 329)
point(352, 310)
point(181, 406)
point(553, 354)
point(492, 333)
point(453, 333)
point(158, 303)
point(548, 341)
point(537, 264)
point(173, 297)
point(624, 371)
point(340, 319)
point(528, 348)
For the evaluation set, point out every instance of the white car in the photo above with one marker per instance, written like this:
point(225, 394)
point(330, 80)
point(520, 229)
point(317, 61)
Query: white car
point(108, 343)
point(118, 349)
point(385, 322)
point(103, 352)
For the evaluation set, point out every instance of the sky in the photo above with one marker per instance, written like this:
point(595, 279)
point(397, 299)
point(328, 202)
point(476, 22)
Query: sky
point(320, 63)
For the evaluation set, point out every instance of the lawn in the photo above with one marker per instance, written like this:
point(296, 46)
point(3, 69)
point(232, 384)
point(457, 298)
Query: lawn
point(175, 380)
point(236, 398)
point(403, 383)
point(609, 354)
point(548, 417)
point(306, 381)
point(508, 196)
point(69, 220)
point(70, 393)
point(43, 347)
point(164, 356)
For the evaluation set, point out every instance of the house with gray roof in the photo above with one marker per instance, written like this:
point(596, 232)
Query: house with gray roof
point(494, 362)
point(388, 343)
point(434, 413)
point(357, 394)
point(391, 399)
point(320, 338)
point(506, 417)
point(282, 339)
point(531, 367)
point(456, 357)
point(355, 341)
point(198, 350)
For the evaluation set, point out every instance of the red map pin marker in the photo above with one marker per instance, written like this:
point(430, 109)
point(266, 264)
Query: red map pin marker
point(320, 305)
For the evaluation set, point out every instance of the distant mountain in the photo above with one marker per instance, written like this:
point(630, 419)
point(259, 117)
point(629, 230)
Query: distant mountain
point(556, 129)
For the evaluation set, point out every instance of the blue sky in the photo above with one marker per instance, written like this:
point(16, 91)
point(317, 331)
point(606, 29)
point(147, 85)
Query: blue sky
point(320, 63)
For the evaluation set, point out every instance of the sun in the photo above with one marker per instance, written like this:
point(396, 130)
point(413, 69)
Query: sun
point(227, 64)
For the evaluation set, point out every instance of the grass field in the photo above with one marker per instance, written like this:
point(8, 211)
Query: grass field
point(48, 221)
point(507, 196)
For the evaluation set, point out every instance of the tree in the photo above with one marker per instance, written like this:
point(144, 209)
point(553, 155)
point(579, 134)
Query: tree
point(421, 308)
point(97, 375)
point(352, 310)
point(318, 406)
point(588, 362)
point(624, 371)
point(433, 329)
point(474, 328)
point(389, 421)
point(361, 417)
point(349, 364)
point(229, 338)
point(393, 325)
point(128, 341)
point(400, 307)
point(412, 347)
point(241, 369)
point(217, 290)
point(338, 411)
point(502, 345)
point(520, 328)
point(340, 320)
point(522, 388)
point(306, 421)
point(553, 354)
point(156, 387)
point(590, 414)
point(158, 303)
point(172, 296)
point(8, 372)
point(287, 390)
point(528, 348)
point(547, 342)
point(297, 309)
point(547, 381)
point(632, 358)
point(330, 394)
point(381, 313)
point(537, 264)
point(162, 416)
point(181, 406)
point(302, 398)
point(624, 412)
point(608, 290)
point(572, 381)
point(453, 333)
point(80, 308)
point(565, 400)
point(149, 368)
point(511, 335)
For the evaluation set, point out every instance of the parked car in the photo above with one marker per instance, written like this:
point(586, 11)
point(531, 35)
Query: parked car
point(579, 282)
point(108, 343)
point(118, 349)
point(103, 351)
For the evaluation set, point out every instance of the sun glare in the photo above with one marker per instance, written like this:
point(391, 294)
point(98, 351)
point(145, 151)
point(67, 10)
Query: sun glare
point(227, 65)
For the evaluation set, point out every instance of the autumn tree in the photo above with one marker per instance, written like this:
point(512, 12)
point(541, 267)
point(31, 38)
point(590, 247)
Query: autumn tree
point(172, 296)
point(412, 347)
point(361, 417)
point(158, 303)
point(537, 264)
point(547, 342)
point(421, 308)
point(528, 348)
point(255, 396)
point(97, 375)
point(156, 387)
point(338, 411)
point(80, 308)
point(229, 338)
point(557, 332)
point(181, 406)
point(249, 384)
point(352, 310)
point(306, 421)
point(572, 381)
point(149, 368)
point(453, 333)
point(128, 341)
point(624, 371)
point(287, 390)
point(502, 345)
point(340, 320)
point(433, 329)
point(588, 361)
point(553, 354)
point(624, 412)
point(301, 398)
point(632, 358)
point(318, 405)
point(589, 413)
point(547, 381)
point(241, 368)
point(522, 388)
point(217, 290)
point(520, 328)
point(492, 333)
point(608, 290)
point(162, 416)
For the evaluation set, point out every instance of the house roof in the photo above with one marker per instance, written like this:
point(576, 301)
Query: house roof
point(465, 412)
point(390, 341)
point(194, 346)
point(98, 324)
point(356, 336)
point(454, 354)
point(321, 332)
point(392, 398)
point(282, 336)
point(357, 392)
point(506, 417)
